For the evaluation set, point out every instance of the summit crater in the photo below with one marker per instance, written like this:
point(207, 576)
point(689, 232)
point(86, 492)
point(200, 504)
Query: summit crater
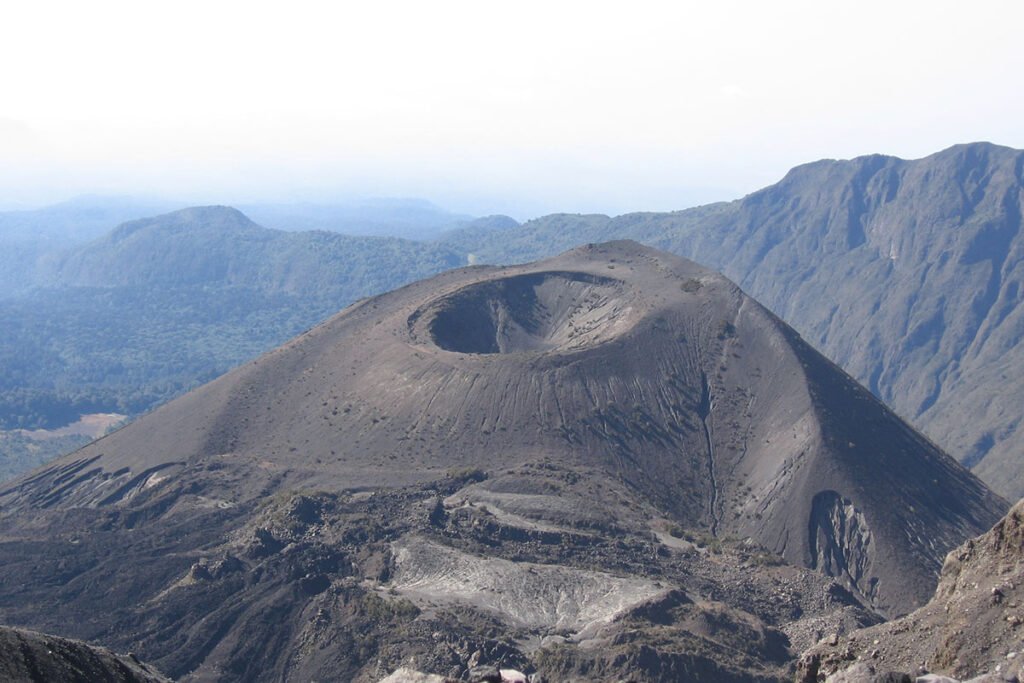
point(529, 313)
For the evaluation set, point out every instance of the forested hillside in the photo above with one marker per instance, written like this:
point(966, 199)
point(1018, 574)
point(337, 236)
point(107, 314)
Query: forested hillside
point(161, 305)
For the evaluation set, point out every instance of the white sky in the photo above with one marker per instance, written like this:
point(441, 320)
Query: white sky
point(522, 107)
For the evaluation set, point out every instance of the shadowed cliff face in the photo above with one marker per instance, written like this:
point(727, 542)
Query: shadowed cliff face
point(840, 542)
point(549, 417)
point(971, 625)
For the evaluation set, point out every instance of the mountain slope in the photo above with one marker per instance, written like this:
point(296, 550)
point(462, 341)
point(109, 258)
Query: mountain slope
point(220, 247)
point(585, 424)
point(908, 274)
point(916, 288)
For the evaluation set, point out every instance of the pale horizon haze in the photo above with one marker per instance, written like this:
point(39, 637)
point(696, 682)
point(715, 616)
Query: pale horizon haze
point(522, 108)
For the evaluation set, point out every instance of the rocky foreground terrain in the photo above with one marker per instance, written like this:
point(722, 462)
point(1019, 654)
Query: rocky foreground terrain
point(29, 657)
point(973, 626)
point(611, 463)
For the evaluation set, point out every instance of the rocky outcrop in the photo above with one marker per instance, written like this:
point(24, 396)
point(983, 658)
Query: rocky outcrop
point(30, 657)
point(840, 543)
point(973, 626)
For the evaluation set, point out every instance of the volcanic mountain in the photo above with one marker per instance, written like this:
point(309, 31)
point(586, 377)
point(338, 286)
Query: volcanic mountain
point(609, 461)
point(907, 273)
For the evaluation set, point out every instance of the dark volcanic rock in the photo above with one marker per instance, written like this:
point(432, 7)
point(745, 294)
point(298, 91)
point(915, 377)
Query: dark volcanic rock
point(972, 625)
point(484, 674)
point(613, 448)
point(29, 657)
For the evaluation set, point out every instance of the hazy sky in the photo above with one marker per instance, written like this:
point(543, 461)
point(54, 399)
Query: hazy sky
point(521, 107)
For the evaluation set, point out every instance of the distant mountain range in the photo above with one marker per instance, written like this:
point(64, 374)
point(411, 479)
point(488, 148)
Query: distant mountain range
point(415, 219)
point(84, 218)
point(28, 235)
point(76, 220)
point(29, 238)
point(159, 305)
point(220, 247)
